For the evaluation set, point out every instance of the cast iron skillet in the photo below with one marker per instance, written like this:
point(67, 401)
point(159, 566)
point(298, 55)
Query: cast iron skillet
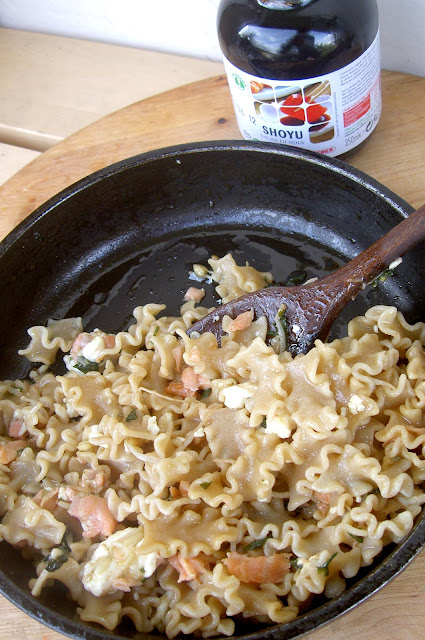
point(130, 233)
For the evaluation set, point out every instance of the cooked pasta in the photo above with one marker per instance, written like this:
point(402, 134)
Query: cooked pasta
point(187, 486)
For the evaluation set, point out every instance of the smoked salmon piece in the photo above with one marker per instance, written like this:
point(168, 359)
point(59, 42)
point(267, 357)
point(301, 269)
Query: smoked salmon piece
point(258, 569)
point(94, 515)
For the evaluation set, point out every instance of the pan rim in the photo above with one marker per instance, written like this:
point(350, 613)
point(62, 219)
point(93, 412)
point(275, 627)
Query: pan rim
point(338, 166)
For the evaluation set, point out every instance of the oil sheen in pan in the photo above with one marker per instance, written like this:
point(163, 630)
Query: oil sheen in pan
point(161, 274)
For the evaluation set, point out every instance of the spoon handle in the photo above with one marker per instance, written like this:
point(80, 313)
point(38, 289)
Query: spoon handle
point(394, 244)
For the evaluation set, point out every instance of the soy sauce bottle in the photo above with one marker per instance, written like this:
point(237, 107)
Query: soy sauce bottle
point(303, 72)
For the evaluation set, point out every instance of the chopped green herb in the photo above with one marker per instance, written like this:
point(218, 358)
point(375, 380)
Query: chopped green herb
point(324, 568)
point(156, 330)
point(296, 563)
point(85, 365)
point(131, 416)
point(358, 539)
point(264, 422)
point(256, 544)
point(282, 328)
point(382, 277)
point(281, 316)
point(297, 277)
point(280, 331)
point(375, 492)
point(205, 485)
point(206, 393)
point(55, 563)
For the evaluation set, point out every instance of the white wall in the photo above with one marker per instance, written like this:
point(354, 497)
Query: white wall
point(188, 27)
point(176, 26)
point(403, 35)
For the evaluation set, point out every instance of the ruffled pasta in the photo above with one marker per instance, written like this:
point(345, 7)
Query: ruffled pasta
point(183, 486)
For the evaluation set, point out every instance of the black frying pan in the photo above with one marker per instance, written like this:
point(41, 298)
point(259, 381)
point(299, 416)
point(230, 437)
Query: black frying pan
point(129, 234)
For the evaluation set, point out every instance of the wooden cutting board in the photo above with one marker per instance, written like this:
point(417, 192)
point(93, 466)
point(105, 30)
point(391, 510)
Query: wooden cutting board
point(203, 111)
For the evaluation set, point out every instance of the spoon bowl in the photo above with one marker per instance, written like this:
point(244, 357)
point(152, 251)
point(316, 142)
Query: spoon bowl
point(307, 312)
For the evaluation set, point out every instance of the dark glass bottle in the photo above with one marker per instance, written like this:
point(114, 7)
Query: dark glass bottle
point(303, 72)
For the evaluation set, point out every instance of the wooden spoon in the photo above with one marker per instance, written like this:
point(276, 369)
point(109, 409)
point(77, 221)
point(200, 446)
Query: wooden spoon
point(309, 310)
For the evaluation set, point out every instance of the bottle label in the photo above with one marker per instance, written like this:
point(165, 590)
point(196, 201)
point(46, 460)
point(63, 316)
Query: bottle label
point(330, 114)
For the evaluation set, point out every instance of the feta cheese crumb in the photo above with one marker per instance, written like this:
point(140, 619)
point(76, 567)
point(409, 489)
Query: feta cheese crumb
point(117, 564)
point(395, 263)
point(278, 427)
point(148, 563)
point(152, 426)
point(93, 350)
point(356, 404)
point(234, 397)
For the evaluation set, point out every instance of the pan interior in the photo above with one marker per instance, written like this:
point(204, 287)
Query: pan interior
point(131, 235)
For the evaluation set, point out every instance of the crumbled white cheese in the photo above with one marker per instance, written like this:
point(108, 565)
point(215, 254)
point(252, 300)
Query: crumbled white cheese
point(395, 263)
point(70, 364)
point(93, 350)
point(356, 404)
point(147, 564)
point(279, 427)
point(152, 426)
point(116, 561)
point(234, 397)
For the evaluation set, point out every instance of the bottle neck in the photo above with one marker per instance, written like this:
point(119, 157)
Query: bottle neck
point(285, 5)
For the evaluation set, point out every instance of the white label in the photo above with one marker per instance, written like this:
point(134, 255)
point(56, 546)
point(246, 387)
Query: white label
point(330, 114)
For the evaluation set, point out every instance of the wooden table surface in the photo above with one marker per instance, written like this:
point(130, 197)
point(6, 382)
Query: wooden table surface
point(202, 111)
